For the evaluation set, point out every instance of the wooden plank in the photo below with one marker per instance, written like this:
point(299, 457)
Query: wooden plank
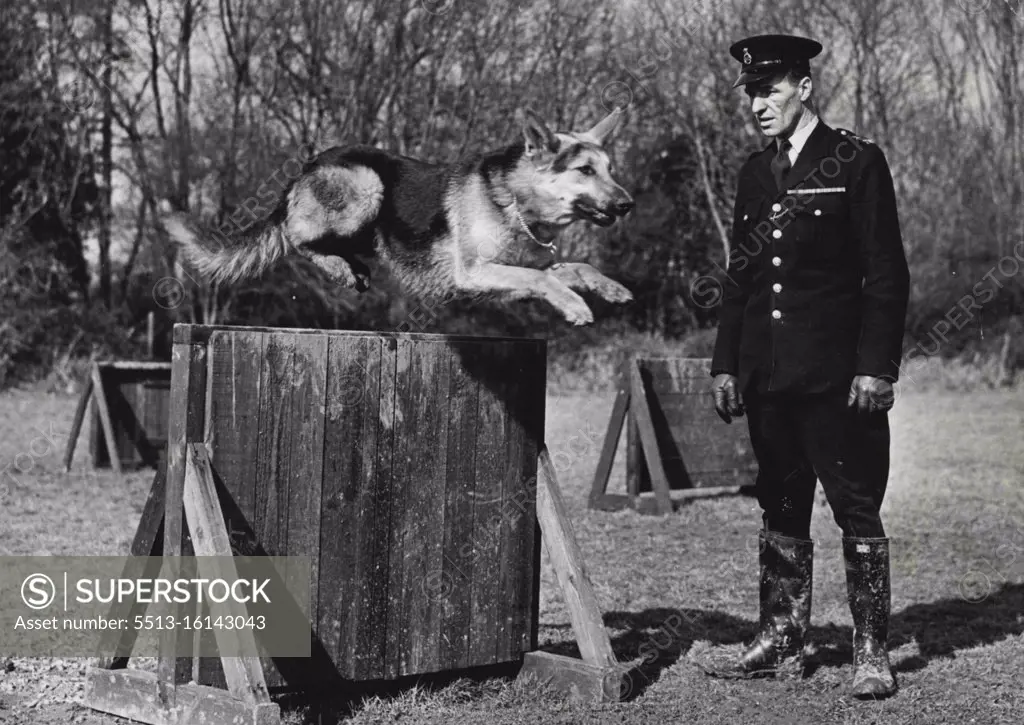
point(273, 459)
point(713, 462)
point(613, 502)
point(137, 440)
point(513, 396)
point(406, 390)
point(185, 425)
point(235, 395)
point(420, 467)
point(576, 679)
point(347, 531)
point(709, 492)
point(148, 540)
point(231, 435)
point(116, 645)
point(135, 695)
point(244, 674)
point(135, 365)
point(156, 392)
point(694, 389)
point(306, 454)
point(76, 423)
point(634, 456)
point(97, 442)
point(376, 576)
point(611, 444)
point(115, 404)
point(124, 406)
point(690, 413)
point(647, 505)
point(199, 334)
point(489, 601)
point(286, 500)
point(538, 538)
point(677, 375)
point(524, 411)
point(649, 443)
point(567, 561)
point(537, 545)
point(452, 584)
point(100, 399)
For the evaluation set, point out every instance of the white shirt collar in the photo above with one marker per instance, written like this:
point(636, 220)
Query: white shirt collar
point(799, 139)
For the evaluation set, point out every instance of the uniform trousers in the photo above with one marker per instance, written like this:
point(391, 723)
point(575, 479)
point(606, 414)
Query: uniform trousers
point(799, 439)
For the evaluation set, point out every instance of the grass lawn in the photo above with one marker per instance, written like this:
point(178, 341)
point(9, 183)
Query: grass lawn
point(686, 583)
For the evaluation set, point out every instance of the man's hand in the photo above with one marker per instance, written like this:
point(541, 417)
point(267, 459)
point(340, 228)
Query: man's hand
point(871, 394)
point(728, 402)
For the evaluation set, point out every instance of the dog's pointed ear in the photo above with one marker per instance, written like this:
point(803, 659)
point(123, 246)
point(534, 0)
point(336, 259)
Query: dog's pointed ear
point(605, 126)
point(537, 135)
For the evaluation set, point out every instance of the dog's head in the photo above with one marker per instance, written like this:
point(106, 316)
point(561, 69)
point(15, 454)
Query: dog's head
point(568, 175)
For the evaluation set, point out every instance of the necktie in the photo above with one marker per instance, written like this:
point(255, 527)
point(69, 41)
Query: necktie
point(780, 164)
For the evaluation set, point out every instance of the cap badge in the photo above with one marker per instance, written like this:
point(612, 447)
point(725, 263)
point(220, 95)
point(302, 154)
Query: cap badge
point(747, 60)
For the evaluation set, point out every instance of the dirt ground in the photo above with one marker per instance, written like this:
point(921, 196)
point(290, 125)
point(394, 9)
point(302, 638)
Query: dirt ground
point(954, 511)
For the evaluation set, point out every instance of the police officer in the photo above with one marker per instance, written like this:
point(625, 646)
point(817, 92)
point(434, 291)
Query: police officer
point(809, 344)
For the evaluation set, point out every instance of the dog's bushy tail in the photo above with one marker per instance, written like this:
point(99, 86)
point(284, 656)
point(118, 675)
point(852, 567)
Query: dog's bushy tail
point(223, 259)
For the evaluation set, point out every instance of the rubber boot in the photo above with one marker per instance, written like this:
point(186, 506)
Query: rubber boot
point(867, 586)
point(786, 586)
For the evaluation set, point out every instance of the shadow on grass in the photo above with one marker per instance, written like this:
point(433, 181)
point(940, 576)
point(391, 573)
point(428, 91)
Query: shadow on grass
point(940, 629)
point(661, 636)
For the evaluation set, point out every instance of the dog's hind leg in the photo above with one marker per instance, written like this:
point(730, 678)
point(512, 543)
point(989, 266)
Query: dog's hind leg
point(337, 268)
point(583, 277)
point(519, 283)
point(336, 203)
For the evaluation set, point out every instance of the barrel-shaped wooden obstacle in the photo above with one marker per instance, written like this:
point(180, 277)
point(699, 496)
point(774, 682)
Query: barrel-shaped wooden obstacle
point(405, 466)
point(396, 464)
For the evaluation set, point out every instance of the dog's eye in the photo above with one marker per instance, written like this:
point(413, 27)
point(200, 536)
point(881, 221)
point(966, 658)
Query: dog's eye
point(586, 170)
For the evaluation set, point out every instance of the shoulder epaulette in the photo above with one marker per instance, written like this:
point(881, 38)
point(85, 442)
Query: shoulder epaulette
point(851, 134)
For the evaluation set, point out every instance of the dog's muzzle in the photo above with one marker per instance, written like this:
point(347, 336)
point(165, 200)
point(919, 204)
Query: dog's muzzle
point(606, 216)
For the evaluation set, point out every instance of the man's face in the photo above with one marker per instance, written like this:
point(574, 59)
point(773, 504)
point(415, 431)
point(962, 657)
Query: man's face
point(777, 103)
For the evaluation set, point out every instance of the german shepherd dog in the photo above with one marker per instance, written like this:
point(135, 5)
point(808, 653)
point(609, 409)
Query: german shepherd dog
point(486, 226)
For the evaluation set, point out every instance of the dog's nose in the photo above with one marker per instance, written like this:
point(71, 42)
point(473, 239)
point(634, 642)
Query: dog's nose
point(623, 208)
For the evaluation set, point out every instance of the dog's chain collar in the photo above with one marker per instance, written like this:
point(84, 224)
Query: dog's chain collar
point(522, 222)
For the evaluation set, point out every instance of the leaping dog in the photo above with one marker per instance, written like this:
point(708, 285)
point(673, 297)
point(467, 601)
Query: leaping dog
point(485, 226)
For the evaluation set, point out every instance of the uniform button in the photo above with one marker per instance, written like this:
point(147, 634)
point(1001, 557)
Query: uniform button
point(776, 314)
point(777, 261)
point(777, 234)
point(776, 207)
point(817, 212)
point(745, 217)
point(776, 288)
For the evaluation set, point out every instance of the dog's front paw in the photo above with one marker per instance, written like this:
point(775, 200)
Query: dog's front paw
point(611, 291)
point(576, 312)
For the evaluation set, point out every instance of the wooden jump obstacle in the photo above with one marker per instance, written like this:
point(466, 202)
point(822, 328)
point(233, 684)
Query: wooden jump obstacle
point(410, 468)
point(676, 446)
point(129, 419)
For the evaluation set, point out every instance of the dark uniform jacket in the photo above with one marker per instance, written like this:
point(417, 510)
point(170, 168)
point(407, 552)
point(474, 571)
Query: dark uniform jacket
point(817, 284)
